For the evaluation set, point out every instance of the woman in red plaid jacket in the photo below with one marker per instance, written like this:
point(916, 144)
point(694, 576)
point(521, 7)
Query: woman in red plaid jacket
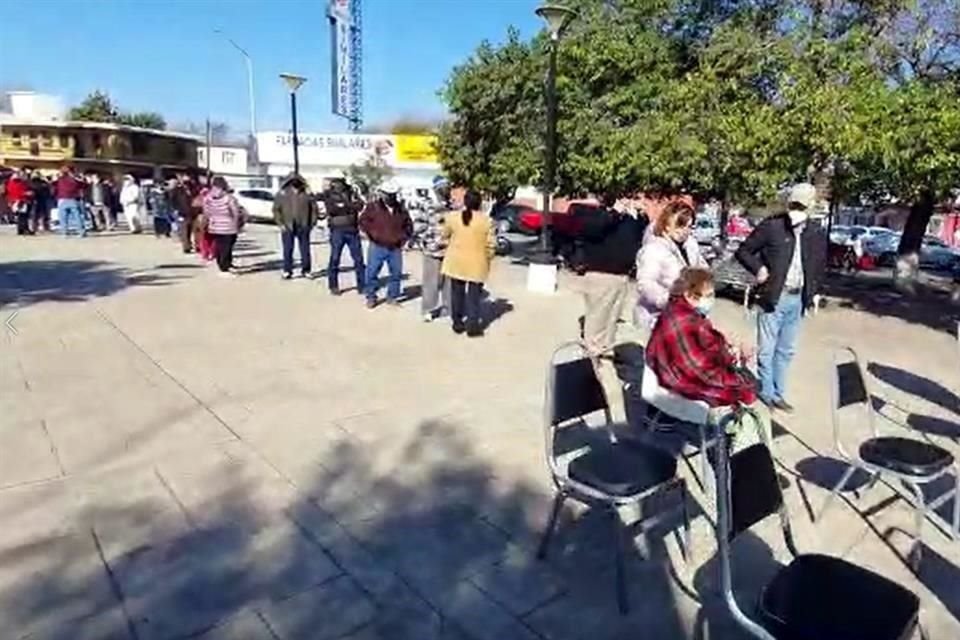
point(691, 358)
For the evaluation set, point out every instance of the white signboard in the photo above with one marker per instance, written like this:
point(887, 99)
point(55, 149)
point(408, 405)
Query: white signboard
point(325, 149)
point(341, 77)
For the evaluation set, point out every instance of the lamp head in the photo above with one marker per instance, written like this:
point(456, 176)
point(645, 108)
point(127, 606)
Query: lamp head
point(556, 16)
point(292, 81)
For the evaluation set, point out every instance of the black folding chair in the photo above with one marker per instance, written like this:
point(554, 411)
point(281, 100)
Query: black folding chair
point(914, 463)
point(602, 472)
point(815, 597)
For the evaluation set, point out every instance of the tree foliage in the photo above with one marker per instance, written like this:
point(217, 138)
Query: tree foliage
point(731, 99)
point(369, 174)
point(99, 107)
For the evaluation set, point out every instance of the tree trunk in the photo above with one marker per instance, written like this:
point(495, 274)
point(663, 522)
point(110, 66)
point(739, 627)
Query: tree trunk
point(908, 254)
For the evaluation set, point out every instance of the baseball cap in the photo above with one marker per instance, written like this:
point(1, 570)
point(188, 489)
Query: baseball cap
point(803, 193)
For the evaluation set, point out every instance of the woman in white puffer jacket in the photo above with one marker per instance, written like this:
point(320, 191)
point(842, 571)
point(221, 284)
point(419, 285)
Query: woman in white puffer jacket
point(668, 248)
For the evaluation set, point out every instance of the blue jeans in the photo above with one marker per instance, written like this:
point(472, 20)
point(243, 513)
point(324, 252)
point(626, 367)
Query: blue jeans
point(376, 257)
point(302, 235)
point(350, 238)
point(67, 209)
point(776, 336)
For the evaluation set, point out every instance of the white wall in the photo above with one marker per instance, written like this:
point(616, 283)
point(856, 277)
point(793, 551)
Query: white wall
point(223, 160)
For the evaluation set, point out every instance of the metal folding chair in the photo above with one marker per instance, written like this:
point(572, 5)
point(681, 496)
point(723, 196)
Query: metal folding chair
point(602, 473)
point(914, 463)
point(814, 596)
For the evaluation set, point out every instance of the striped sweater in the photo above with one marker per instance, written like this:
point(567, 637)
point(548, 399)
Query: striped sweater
point(221, 211)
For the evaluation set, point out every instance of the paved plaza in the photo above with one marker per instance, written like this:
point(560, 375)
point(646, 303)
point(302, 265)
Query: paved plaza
point(187, 456)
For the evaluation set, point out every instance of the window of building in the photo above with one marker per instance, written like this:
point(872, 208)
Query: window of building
point(138, 144)
point(97, 142)
point(34, 148)
point(47, 140)
point(16, 139)
point(64, 141)
point(180, 151)
point(227, 157)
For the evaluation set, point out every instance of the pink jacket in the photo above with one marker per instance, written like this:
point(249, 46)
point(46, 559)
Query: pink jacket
point(222, 212)
point(659, 264)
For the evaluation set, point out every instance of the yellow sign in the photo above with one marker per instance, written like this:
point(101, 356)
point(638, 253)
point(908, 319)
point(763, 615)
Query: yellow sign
point(411, 148)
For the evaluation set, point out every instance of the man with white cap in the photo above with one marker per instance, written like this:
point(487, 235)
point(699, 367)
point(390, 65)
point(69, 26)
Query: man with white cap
point(788, 257)
point(388, 226)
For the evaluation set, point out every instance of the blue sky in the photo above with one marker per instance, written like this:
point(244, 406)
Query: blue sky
point(163, 55)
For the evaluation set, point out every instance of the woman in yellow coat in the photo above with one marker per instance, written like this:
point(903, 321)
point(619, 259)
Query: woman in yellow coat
point(467, 262)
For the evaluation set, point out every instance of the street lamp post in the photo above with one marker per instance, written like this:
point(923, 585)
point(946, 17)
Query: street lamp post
point(543, 275)
point(250, 92)
point(293, 83)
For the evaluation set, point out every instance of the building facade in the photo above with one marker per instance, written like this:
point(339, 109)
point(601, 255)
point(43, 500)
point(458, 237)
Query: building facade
point(95, 146)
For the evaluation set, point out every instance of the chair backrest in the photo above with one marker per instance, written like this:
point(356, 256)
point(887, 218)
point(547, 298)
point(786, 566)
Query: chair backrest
point(748, 491)
point(573, 391)
point(848, 389)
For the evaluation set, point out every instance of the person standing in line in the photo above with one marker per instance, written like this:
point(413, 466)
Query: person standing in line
point(388, 227)
point(611, 240)
point(788, 258)
point(132, 202)
point(467, 262)
point(20, 197)
point(222, 214)
point(99, 210)
point(341, 209)
point(180, 203)
point(668, 248)
point(295, 212)
point(69, 192)
point(202, 237)
point(436, 293)
point(41, 203)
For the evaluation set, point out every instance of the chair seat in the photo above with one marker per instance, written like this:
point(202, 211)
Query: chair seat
point(905, 455)
point(826, 598)
point(623, 471)
point(672, 404)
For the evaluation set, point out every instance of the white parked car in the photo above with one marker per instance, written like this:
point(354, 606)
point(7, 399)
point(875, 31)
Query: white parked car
point(258, 203)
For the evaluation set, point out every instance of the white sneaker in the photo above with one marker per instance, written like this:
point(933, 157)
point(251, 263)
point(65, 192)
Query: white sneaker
point(227, 274)
point(428, 317)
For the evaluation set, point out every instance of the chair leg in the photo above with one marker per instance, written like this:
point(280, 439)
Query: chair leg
point(622, 600)
point(836, 489)
point(919, 515)
point(685, 511)
point(558, 501)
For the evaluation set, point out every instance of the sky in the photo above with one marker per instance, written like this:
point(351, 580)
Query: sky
point(163, 55)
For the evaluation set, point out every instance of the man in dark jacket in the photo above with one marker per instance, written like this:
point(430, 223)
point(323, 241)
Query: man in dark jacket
point(388, 227)
point(295, 213)
point(609, 242)
point(342, 210)
point(181, 200)
point(41, 203)
point(788, 256)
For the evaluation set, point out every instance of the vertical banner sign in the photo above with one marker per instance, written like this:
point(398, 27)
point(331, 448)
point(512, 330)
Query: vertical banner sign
point(341, 46)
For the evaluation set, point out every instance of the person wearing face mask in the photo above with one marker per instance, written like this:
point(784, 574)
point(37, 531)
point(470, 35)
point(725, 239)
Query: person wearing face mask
point(691, 358)
point(788, 258)
point(668, 248)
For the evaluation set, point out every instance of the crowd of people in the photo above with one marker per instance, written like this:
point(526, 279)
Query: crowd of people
point(674, 292)
point(671, 281)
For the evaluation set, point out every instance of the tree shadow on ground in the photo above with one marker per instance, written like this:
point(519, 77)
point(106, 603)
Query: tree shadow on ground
point(930, 306)
point(418, 538)
point(29, 282)
point(916, 385)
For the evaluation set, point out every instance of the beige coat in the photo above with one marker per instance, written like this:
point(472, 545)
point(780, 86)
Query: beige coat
point(469, 249)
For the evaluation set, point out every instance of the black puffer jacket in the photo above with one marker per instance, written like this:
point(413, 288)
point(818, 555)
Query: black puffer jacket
point(771, 245)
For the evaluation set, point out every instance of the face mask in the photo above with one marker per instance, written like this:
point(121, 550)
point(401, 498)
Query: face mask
point(797, 218)
point(705, 304)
